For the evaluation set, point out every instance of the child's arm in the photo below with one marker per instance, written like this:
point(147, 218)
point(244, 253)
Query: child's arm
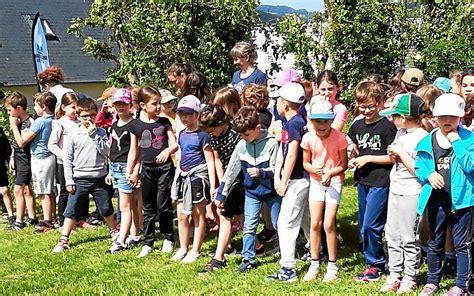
point(465, 158)
point(101, 141)
point(278, 167)
point(338, 124)
point(219, 166)
point(424, 174)
point(307, 163)
point(211, 169)
point(342, 167)
point(269, 173)
point(290, 162)
point(231, 173)
point(172, 147)
point(21, 138)
point(360, 161)
point(54, 139)
point(67, 162)
point(132, 160)
point(405, 158)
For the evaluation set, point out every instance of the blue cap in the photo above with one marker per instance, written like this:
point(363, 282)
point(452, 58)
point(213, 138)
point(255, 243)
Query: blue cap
point(443, 84)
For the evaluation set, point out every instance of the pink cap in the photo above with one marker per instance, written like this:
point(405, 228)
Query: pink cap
point(122, 95)
point(189, 104)
point(288, 75)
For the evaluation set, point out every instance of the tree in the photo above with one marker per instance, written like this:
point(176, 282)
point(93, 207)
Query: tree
point(145, 36)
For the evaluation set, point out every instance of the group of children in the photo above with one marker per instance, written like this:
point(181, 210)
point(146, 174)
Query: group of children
point(256, 147)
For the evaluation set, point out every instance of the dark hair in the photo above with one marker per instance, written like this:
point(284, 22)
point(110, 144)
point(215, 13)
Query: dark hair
point(212, 116)
point(67, 99)
point(145, 94)
point(17, 99)
point(229, 97)
point(377, 78)
point(255, 95)
point(46, 99)
point(176, 69)
point(396, 80)
point(429, 93)
point(86, 104)
point(469, 71)
point(327, 75)
point(51, 75)
point(246, 119)
point(196, 84)
point(367, 90)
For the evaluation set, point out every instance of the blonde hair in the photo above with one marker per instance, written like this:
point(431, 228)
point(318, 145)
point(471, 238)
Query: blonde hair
point(244, 49)
point(429, 93)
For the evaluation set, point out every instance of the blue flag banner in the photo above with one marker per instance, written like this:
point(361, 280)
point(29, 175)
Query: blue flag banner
point(40, 47)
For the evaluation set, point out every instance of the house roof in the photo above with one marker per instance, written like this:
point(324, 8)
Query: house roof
point(16, 61)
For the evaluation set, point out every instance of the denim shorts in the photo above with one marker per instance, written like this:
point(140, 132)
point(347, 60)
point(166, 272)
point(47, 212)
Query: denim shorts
point(119, 181)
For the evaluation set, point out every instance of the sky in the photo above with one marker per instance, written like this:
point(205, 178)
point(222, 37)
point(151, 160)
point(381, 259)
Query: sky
point(310, 5)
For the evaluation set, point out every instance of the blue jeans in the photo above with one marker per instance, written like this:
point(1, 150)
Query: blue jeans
point(440, 215)
point(373, 202)
point(252, 207)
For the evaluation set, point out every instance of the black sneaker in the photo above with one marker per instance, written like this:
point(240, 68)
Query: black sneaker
point(11, 220)
point(116, 248)
point(284, 275)
point(267, 235)
point(16, 226)
point(31, 221)
point(212, 266)
point(449, 267)
point(245, 266)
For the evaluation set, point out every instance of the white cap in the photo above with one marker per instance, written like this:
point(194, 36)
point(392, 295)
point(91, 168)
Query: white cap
point(290, 91)
point(321, 109)
point(449, 104)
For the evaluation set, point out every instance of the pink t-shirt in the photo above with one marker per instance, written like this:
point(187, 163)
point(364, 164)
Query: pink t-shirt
point(325, 151)
point(340, 111)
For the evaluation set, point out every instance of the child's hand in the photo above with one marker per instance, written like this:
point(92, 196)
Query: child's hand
point(14, 121)
point(253, 172)
point(133, 179)
point(71, 188)
point(436, 180)
point(11, 167)
point(453, 135)
point(281, 189)
point(91, 127)
point(326, 179)
point(394, 150)
point(108, 179)
point(318, 169)
point(351, 164)
point(213, 193)
point(219, 204)
point(163, 156)
point(361, 161)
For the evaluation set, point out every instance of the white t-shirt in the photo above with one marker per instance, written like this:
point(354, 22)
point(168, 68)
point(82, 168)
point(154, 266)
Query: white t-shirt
point(401, 180)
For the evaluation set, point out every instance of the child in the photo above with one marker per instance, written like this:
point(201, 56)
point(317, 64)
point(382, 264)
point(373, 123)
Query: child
point(194, 180)
point(403, 249)
point(257, 96)
point(223, 140)
point(20, 162)
point(152, 139)
point(245, 56)
point(371, 136)
point(428, 93)
point(43, 162)
point(328, 86)
point(291, 180)
point(444, 165)
point(325, 159)
point(467, 82)
point(228, 98)
point(197, 84)
point(85, 170)
point(119, 148)
point(177, 74)
point(254, 157)
point(412, 79)
point(63, 128)
point(5, 154)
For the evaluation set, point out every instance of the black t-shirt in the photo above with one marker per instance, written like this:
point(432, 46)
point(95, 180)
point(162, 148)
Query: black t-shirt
point(373, 139)
point(6, 150)
point(152, 137)
point(225, 145)
point(120, 142)
point(443, 167)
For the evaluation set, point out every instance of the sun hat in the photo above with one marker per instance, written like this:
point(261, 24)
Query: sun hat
point(321, 109)
point(413, 76)
point(122, 95)
point(166, 96)
point(405, 104)
point(449, 104)
point(290, 91)
point(189, 104)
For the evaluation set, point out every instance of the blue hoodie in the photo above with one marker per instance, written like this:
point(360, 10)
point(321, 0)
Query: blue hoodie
point(260, 153)
point(462, 170)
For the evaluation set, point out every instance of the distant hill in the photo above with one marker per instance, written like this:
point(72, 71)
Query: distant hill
point(270, 12)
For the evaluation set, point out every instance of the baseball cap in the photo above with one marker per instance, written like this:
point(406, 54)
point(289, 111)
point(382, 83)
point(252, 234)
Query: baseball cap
point(449, 104)
point(122, 95)
point(405, 104)
point(413, 76)
point(443, 84)
point(189, 104)
point(107, 93)
point(321, 109)
point(166, 96)
point(290, 91)
point(288, 75)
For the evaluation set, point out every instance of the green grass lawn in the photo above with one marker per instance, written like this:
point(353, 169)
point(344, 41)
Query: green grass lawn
point(27, 266)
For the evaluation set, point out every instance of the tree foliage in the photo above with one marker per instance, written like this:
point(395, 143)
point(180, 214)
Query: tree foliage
point(145, 36)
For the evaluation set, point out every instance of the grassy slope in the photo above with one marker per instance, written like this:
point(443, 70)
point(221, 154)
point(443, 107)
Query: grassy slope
point(27, 266)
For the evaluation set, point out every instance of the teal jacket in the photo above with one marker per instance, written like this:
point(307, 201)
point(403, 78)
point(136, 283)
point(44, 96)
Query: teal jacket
point(462, 170)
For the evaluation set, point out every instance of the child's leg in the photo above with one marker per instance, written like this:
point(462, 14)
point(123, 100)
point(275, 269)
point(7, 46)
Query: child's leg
point(126, 206)
point(225, 235)
point(267, 217)
point(63, 194)
point(47, 206)
point(393, 235)
point(330, 214)
point(136, 212)
point(316, 211)
point(407, 218)
point(30, 201)
point(251, 213)
point(150, 207)
point(183, 228)
point(7, 200)
point(165, 208)
point(199, 218)
point(103, 201)
point(18, 191)
point(138, 221)
point(289, 220)
point(462, 235)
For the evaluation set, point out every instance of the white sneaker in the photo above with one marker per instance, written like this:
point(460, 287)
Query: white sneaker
point(331, 274)
point(179, 255)
point(167, 246)
point(146, 250)
point(312, 273)
point(191, 257)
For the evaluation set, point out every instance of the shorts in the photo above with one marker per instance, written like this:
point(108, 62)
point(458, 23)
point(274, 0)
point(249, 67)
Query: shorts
point(43, 173)
point(234, 203)
point(3, 175)
point(79, 200)
point(119, 181)
point(200, 190)
point(22, 163)
point(328, 194)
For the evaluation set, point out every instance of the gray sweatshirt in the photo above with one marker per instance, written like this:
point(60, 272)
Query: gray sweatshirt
point(85, 155)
